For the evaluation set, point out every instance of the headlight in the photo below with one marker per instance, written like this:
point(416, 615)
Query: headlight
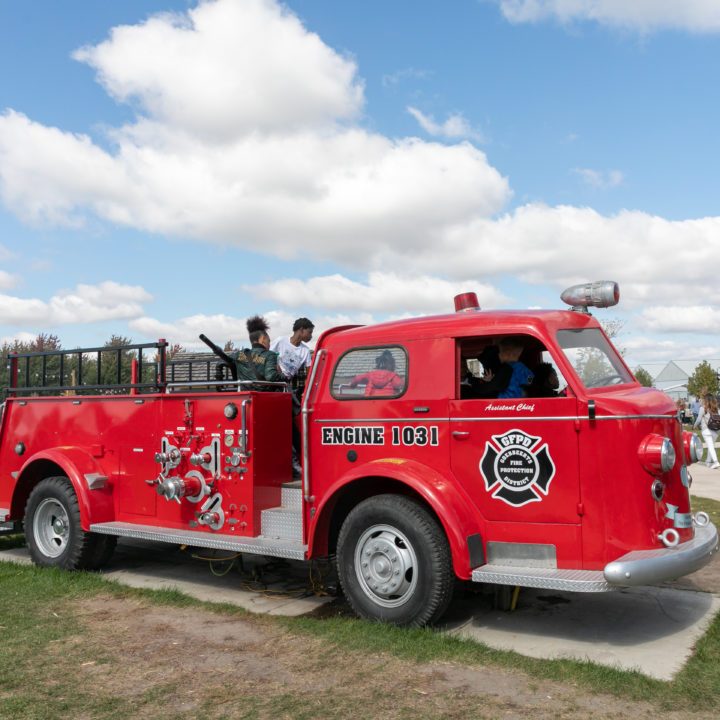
point(667, 457)
point(656, 454)
point(693, 446)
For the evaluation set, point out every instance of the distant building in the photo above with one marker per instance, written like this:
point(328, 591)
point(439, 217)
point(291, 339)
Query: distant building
point(672, 377)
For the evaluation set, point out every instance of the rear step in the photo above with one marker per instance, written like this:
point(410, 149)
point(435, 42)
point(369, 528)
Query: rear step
point(285, 521)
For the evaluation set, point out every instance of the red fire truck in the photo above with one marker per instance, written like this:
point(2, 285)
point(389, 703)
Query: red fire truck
point(407, 479)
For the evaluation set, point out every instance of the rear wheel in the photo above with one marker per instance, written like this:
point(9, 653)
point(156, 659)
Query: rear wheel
point(53, 531)
point(394, 561)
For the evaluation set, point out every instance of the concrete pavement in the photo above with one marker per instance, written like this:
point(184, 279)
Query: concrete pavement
point(649, 629)
point(705, 482)
point(268, 586)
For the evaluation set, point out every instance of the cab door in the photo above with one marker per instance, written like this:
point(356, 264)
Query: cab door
point(518, 458)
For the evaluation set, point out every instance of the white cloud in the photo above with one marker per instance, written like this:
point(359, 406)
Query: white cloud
point(651, 349)
point(401, 75)
point(247, 136)
point(227, 69)
point(85, 304)
point(599, 179)
point(221, 328)
point(643, 15)
point(564, 245)
point(701, 319)
point(454, 128)
point(19, 337)
point(384, 293)
point(8, 281)
point(296, 172)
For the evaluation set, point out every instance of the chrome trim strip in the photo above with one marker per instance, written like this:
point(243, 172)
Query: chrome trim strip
point(495, 418)
point(633, 417)
point(516, 418)
point(646, 567)
point(377, 420)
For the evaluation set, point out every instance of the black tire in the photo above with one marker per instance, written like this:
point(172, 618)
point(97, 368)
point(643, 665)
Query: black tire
point(53, 531)
point(394, 562)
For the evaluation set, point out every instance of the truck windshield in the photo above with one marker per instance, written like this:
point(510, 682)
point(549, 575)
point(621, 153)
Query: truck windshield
point(593, 358)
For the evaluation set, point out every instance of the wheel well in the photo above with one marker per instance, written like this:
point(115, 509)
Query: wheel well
point(354, 493)
point(31, 476)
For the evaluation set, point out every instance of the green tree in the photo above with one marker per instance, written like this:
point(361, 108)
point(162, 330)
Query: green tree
point(643, 377)
point(172, 351)
point(704, 379)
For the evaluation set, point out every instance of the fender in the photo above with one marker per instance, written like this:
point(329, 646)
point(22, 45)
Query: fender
point(453, 508)
point(90, 483)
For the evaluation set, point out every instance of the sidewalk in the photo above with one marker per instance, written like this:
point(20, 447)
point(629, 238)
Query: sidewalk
point(705, 482)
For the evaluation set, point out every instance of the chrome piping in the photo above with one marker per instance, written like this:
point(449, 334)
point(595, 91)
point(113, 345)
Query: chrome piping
point(224, 383)
point(243, 427)
point(309, 389)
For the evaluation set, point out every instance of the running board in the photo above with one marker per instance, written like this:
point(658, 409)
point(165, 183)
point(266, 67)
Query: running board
point(548, 578)
point(288, 549)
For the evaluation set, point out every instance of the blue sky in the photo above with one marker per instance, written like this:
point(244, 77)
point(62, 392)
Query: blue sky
point(171, 167)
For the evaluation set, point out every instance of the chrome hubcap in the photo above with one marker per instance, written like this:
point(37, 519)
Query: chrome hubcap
point(51, 527)
point(386, 565)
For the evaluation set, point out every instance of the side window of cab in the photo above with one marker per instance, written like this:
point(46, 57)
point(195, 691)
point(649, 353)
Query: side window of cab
point(377, 372)
point(506, 366)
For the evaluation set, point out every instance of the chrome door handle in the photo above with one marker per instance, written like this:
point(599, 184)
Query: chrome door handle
point(461, 434)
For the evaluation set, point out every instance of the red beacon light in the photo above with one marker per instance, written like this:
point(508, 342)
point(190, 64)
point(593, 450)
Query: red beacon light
point(601, 293)
point(466, 302)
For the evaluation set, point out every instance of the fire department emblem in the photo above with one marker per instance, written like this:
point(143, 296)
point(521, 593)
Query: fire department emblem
point(516, 468)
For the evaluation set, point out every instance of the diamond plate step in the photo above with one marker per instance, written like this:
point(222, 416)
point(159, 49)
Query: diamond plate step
point(548, 578)
point(282, 522)
point(284, 548)
point(291, 495)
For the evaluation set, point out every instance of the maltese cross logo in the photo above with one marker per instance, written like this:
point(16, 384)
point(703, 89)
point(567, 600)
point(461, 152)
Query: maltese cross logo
point(516, 468)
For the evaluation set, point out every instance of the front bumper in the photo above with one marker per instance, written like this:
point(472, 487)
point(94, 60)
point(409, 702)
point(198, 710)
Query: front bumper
point(646, 567)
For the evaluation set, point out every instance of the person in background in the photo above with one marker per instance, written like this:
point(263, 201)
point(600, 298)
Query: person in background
point(293, 355)
point(258, 362)
point(709, 407)
point(292, 351)
point(695, 408)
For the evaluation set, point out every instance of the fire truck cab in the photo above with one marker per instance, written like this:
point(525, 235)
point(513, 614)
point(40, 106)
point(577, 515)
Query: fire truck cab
point(410, 478)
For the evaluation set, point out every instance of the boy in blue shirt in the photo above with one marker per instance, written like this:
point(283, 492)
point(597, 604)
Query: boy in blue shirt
point(510, 350)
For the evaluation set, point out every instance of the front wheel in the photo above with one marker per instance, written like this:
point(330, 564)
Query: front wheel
point(53, 531)
point(394, 561)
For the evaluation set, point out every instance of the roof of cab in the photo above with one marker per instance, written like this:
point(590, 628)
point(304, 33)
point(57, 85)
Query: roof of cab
point(460, 324)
